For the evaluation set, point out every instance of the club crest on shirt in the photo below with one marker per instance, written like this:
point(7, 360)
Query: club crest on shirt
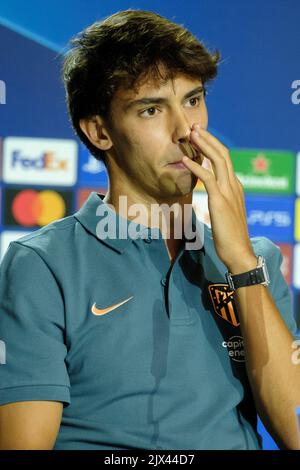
point(223, 303)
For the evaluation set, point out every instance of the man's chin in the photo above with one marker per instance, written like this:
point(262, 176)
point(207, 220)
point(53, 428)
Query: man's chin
point(180, 192)
point(177, 188)
point(185, 187)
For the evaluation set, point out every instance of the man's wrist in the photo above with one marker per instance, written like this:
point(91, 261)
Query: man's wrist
point(243, 265)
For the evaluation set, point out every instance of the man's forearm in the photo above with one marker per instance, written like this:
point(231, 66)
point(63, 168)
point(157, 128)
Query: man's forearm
point(274, 378)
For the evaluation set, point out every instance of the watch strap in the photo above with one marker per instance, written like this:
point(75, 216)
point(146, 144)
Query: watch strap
point(258, 275)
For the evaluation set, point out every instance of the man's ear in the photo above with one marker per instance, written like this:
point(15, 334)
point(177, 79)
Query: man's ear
point(96, 131)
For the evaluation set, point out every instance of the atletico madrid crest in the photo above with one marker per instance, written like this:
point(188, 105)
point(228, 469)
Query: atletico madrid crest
point(223, 302)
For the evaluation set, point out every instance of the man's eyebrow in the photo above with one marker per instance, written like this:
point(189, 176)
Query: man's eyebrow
point(159, 100)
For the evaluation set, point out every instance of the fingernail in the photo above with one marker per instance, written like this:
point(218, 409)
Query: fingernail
point(197, 126)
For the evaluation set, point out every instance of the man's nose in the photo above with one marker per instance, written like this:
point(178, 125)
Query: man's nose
point(182, 128)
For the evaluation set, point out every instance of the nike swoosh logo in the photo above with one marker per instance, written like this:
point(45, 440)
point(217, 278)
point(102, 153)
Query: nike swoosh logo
point(104, 311)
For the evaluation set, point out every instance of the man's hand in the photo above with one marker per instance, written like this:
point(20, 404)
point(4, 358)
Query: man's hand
point(226, 202)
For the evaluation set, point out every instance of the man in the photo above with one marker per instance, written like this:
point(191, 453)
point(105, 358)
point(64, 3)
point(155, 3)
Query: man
point(129, 341)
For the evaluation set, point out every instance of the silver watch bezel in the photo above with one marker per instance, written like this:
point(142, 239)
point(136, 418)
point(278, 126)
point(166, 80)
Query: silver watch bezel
point(229, 280)
point(262, 264)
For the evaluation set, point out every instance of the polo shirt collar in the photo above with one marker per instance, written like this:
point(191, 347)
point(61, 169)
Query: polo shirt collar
point(94, 209)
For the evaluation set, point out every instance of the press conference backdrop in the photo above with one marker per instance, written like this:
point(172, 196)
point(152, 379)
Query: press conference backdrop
point(254, 108)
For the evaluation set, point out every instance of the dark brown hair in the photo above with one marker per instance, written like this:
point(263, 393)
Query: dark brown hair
point(122, 51)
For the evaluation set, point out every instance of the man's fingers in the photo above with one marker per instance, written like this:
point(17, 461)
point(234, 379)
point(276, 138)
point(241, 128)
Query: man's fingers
point(217, 160)
point(191, 152)
point(206, 176)
point(221, 148)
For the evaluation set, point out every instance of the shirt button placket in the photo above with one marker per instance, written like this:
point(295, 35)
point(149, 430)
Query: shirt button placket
point(147, 236)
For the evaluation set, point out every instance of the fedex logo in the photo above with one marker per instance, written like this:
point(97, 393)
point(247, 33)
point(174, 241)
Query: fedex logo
point(28, 160)
point(45, 161)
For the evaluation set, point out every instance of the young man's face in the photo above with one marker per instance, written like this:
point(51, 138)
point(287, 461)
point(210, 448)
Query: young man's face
point(147, 137)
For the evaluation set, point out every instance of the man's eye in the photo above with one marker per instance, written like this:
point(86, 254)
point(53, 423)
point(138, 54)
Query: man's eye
point(195, 101)
point(148, 111)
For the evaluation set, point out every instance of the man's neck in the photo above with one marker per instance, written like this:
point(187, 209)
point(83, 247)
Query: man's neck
point(169, 215)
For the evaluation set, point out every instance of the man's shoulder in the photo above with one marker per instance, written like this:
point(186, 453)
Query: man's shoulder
point(50, 237)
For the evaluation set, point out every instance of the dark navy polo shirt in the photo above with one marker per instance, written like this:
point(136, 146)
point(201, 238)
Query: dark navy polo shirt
point(142, 353)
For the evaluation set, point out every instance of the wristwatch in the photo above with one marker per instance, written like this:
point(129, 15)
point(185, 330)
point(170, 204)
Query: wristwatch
point(259, 275)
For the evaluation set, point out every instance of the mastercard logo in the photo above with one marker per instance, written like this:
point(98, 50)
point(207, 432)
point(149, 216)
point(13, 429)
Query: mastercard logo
point(30, 207)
